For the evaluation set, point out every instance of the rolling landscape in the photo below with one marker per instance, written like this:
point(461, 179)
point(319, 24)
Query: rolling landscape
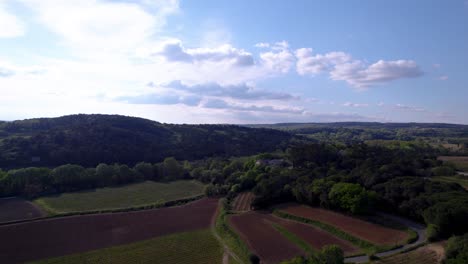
point(296, 197)
point(233, 132)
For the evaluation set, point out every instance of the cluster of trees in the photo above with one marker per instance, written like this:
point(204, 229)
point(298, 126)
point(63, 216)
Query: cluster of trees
point(456, 251)
point(331, 254)
point(92, 139)
point(33, 181)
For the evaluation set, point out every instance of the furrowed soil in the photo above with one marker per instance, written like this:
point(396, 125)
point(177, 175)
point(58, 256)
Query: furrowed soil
point(371, 232)
point(48, 238)
point(257, 230)
point(243, 201)
point(14, 209)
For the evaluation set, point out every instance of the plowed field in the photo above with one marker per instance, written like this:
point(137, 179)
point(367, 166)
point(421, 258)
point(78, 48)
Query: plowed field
point(365, 230)
point(12, 209)
point(263, 239)
point(243, 201)
point(62, 236)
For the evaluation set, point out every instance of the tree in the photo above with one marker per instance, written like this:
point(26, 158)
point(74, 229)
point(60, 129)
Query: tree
point(145, 170)
point(352, 197)
point(172, 170)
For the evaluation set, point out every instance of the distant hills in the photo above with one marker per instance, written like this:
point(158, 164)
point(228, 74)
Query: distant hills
point(362, 131)
point(91, 139)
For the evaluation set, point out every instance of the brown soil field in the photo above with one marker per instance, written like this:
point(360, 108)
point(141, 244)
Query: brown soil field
point(263, 239)
point(453, 158)
point(62, 236)
point(365, 230)
point(316, 237)
point(243, 201)
point(14, 209)
point(272, 247)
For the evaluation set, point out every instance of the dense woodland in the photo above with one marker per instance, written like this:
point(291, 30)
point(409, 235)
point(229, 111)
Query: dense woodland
point(92, 139)
point(348, 132)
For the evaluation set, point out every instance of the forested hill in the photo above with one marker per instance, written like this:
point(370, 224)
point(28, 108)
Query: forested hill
point(361, 131)
point(91, 139)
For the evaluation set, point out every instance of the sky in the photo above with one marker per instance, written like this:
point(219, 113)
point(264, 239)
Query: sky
point(222, 61)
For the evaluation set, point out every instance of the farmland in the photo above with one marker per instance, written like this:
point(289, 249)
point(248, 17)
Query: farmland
point(364, 230)
point(131, 195)
point(462, 180)
point(76, 234)
point(12, 209)
point(460, 162)
point(197, 247)
point(430, 254)
point(263, 239)
point(243, 201)
point(262, 233)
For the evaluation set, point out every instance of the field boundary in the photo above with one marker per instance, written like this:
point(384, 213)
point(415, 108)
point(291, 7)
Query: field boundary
point(172, 203)
point(294, 238)
point(229, 236)
point(365, 245)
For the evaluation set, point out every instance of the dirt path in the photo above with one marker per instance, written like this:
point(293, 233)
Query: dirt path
point(420, 229)
point(227, 251)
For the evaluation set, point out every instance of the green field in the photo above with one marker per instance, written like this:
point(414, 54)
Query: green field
point(190, 247)
point(463, 181)
point(131, 195)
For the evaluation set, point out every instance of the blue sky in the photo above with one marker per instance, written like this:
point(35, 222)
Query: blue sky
point(236, 61)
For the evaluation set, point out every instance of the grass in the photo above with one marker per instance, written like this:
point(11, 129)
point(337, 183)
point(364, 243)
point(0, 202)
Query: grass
point(229, 236)
point(196, 247)
point(463, 181)
point(127, 196)
point(294, 239)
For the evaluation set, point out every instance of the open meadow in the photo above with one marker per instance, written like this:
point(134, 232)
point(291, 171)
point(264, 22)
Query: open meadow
point(131, 195)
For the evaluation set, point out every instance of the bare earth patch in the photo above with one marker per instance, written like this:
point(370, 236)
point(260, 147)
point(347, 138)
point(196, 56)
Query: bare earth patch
point(365, 230)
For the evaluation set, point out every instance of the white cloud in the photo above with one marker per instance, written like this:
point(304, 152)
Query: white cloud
point(349, 104)
point(307, 63)
point(103, 26)
point(358, 74)
point(222, 104)
point(279, 58)
point(262, 45)
point(409, 108)
point(174, 51)
point(10, 25)
point(443, 78)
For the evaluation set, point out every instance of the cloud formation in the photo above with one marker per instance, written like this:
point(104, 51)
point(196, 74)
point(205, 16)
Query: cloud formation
point(4, 72)
point(239, 91)
point(279, 58)
point(349, 104)
point(103, 25)
point(161, 99)
point(175, 52)
point(342, 67)
point(10, 25)
point(222, 104)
